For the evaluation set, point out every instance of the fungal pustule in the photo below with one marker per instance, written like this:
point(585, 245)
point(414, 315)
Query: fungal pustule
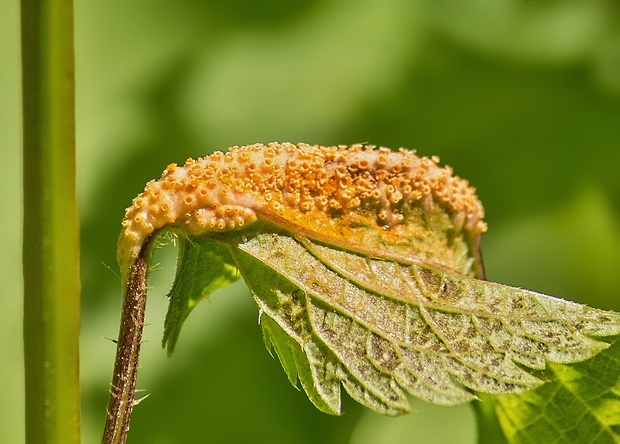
point(349, 195)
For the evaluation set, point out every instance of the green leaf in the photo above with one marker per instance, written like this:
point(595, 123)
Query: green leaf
point(383, 328)
point(323, 390)
point(203, 266)
point(581, 404)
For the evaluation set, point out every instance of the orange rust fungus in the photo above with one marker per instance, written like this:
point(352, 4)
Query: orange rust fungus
point(329, 191)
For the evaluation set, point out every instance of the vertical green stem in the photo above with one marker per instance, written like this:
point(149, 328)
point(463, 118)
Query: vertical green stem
point(51, 239)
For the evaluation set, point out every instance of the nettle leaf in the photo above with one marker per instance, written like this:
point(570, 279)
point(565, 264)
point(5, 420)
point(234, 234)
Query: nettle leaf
point(203, 266)
point(366, 269)
point(383, 328)
point(580, 404)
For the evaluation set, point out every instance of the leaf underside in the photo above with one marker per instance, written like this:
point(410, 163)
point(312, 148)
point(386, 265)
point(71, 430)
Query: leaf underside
point(382, 329)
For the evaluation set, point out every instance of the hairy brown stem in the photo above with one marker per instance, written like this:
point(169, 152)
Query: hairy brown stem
point(121, 400)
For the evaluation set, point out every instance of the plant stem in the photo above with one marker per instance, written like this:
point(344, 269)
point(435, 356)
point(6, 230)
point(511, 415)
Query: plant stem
point(51, 237)
point(123, 388)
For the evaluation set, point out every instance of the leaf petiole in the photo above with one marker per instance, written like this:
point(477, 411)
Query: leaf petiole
point(121, 401)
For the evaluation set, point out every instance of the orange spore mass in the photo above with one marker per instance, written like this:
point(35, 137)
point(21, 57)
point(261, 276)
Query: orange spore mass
point(329, 191)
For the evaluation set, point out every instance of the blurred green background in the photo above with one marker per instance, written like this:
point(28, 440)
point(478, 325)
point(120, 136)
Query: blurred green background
point(522, 98)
